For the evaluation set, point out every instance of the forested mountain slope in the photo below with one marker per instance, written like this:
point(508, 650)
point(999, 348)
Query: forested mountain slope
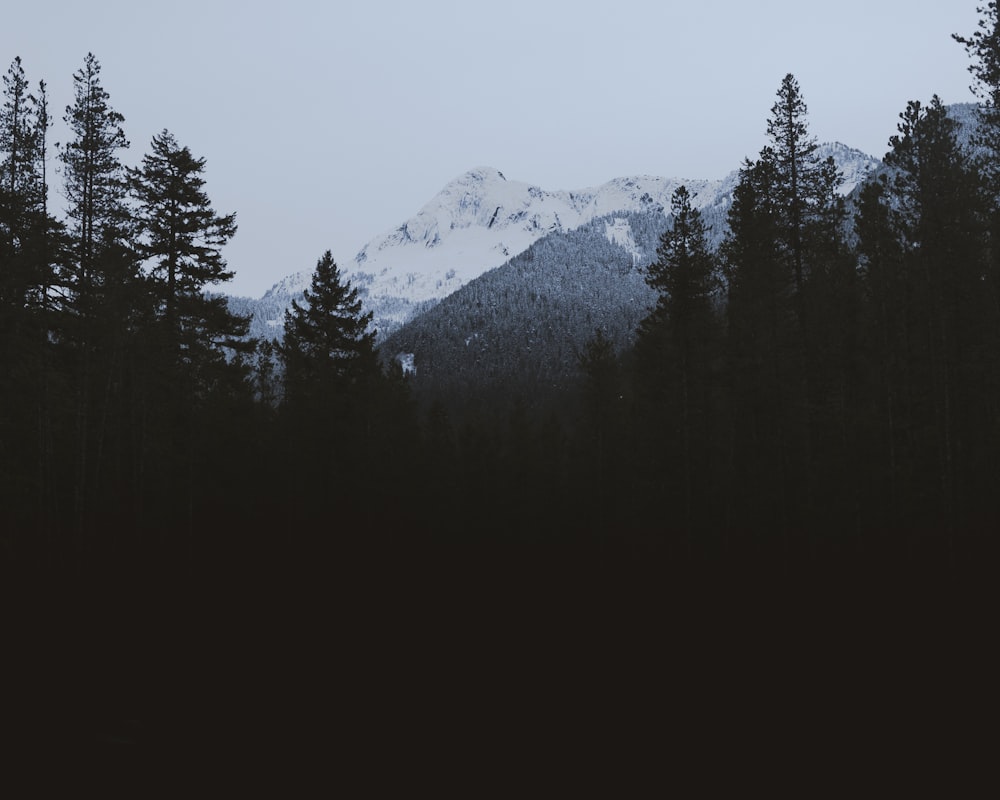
point(518, 330)
point(480, 220)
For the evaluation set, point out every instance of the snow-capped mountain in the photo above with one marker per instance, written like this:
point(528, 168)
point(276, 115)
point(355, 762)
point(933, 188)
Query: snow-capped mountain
point(516, 331)
point(481, 220)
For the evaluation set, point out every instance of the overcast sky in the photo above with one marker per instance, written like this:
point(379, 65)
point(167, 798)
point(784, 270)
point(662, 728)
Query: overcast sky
point(327, 122)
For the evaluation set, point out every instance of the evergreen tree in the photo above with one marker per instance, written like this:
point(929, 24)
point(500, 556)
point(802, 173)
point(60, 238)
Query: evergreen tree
point(99, 288)
point(23, 121)
point(951, 331)
point(19, 195)
point(793, 222)
point(183, 374)
point(786, 221)
point(180, 239)
point(684, 277)
point(755, 280)
point(20, 183)
point(331, 384)
point(983, 47)
point(889, 315)
point(48, 240)
point(761, 336)
point(803, 186)
point(676, 346)
point(327, 345)
point(29, 245)
point(17, 142)
point(95, 188)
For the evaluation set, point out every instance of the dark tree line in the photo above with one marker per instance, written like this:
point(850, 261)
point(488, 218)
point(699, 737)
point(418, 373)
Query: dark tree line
point(819, 389)
point(112, 354)
point(142, 432)
point(165, 479)
point(824, 388)
point(824, 382)
point(839, 395)
point(824, 379)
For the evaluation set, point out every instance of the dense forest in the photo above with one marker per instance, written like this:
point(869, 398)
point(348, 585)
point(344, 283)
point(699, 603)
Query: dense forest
point(820, 392)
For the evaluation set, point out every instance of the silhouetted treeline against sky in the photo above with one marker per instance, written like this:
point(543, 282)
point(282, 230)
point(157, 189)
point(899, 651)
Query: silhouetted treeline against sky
point(821, 393)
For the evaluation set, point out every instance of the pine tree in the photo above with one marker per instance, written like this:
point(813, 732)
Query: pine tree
point(29, 245)
point(19, 195)
point(17, 143)
point(983, 47)
point(327, 345)
point(888, 316)
point(23, 120)
point(181, 239)
point(48, 242)
point(952, 323)
point(676, 346)
point(332, 393)
point(20, 183)
point(187, 361)
point(803, 185)
point(762, 342)
point(804, 270)
point(684, 275)
point(99, 287)
point(94, 184)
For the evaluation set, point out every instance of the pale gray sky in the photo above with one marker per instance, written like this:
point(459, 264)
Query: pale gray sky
point(326, 123)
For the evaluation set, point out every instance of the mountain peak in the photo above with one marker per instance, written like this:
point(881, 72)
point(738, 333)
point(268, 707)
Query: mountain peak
point(855, 166)
point(479, 175)
point(480, 220)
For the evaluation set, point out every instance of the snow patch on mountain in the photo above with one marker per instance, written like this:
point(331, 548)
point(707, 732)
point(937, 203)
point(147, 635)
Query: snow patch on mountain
point(481, 220)
point(476, 222)
point(407, 363)
point(855, 166)
point(619, 232)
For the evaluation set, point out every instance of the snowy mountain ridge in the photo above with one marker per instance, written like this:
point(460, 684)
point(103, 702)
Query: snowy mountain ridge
point(480, 220)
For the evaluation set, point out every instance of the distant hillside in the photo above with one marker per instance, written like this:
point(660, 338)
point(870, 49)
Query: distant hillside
point(517, 331)
point(481, 220)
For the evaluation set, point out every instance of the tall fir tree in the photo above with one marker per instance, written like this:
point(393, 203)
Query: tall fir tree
point(95, 188)
point(29, 243)
point(951, 336)
point(17, 142)
point(983, 47)
point(331, 377)
point(327, 344)
point(180, 239)
point(20, 184)
point(803, 184)
point(761, 340)
point(887, 328)
point(184, 372)
point(19, 195)
point(807, 363)
point(675, 350)
point(684, 275)
point(100, 290)
point(48, 240)
point(22, 198)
